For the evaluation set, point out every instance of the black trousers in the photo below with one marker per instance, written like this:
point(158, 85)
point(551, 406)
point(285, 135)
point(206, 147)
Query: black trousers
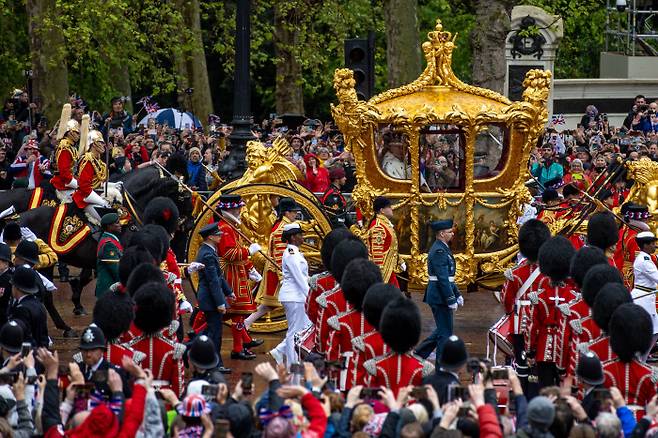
point(547, 374)
point(49, 304)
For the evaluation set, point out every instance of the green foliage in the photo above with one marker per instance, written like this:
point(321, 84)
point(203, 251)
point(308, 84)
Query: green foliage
point(14, 46)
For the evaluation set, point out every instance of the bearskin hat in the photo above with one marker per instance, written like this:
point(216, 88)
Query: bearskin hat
point(400, 325)
point(113, 313)
point(154, 306)
point(151, 242)
point(532, 236)
point(609, 298)
point(144, 273)
point(162, 211)
point(630, 331)
point(597, 277)
point(584, 259)
point(177, 164)
point(131, 258)
point(333, 238)
point(555, 258)
point(349, 249)
point(602, 230)
point(12, 232)
point(359, 275)
point(162, 235)
point(376, 299)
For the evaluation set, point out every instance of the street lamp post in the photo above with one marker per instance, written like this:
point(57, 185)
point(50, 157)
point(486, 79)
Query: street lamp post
point(235, 165)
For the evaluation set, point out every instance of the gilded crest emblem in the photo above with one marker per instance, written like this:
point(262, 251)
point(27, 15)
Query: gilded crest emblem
point(71, 225)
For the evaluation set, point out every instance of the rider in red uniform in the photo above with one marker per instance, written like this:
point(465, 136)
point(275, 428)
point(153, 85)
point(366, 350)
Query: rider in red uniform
point(66, 155)
point(92, 172)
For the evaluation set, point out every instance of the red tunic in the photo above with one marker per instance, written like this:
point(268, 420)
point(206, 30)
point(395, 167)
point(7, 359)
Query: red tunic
point(575, 311)
point(163, 358)
point(583, 332)
point(348, 326)
point(546, 335)
point(331, 303)
point(382, 246)
point(515, 278)
point(65, 158)
point(371, 345)
point(319, 283)
point(91, 174)
point(235, 264)
point(116, 351)
point(635, 380)
point(396, 371)
point(601, 347)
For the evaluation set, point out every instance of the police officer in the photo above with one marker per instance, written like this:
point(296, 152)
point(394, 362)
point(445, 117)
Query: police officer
point(108, 254)
point(441, 294)
point(5, 280)
point(293, 292)
point(204, 361)
point(645, 276)
point(27, 309)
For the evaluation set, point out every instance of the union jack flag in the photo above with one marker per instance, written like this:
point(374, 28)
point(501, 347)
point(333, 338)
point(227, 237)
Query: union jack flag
point(558, 119)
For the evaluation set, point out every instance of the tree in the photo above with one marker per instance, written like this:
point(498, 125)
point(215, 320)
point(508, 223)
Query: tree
point(288, 17)
point(402, 45)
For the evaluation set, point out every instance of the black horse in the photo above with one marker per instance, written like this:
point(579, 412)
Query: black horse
point(139, 187)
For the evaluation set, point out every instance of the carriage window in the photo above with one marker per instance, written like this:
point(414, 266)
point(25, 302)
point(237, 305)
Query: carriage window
point(490, 151)
point(441, 157)
point(392, 148)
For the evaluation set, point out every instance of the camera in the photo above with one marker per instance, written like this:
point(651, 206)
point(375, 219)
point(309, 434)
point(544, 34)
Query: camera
point(28, 73)
point(369, 393)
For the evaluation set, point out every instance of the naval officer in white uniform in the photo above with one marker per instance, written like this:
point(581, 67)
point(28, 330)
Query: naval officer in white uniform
point(645, 274)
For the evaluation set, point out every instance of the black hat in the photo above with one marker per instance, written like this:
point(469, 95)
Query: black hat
point(441, 225)
point(162, 211)
point(549, 195)
point(349, 249)
point(154, 307)
point(161, 234)
point(630, 331)
point(211, 229)
point(597, 277)
point(11, 336)
point(131, 258)
point(609, 298)
point(602, 230)
point(333, 238)
point(228, 202)
point(28, 251)
point(589, 368)
point(375, 301)
point(604, 194)
point(570, 190)
point(636, 212)
point(288, 204)
point(202, 353)
point(584, 259)
point(25, 279)
point(359, 275)
point(555, 258)
point(554, 183)
point(113, 314)
point(143, 273)
point(12, 232)
point(149, 241)
point(400, 325)
point(92, 338)
point(380, 202)
point(5, 252)
point(109, 219)
point(532, 235)
point(453, 354)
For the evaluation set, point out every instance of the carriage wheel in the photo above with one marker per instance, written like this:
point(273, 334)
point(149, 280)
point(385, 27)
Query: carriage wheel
point(260, 194)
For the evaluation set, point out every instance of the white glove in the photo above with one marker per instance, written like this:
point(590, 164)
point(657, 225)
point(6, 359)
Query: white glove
point(254, 248)
point(73, 184)
point(195, 267)
point(185, 307)
point(254, 275)
point(452, 306)
point(403, 266)
point(95, 198)
point(460, 301)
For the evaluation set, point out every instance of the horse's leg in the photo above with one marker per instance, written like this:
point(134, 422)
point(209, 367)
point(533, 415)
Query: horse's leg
point(77, 285)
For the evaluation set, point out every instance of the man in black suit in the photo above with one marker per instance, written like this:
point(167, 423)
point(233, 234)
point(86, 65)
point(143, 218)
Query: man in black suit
point(5, 280)
point(26, 308)
point(453, 359)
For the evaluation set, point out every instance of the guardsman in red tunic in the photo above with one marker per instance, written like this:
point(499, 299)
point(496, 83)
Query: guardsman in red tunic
point(371, 345)
point(113, 314)
point(546, 341)
point(382, 242)
point(333, 302)
point(636, 380)
point(238, 270)
point(584, 259)
point(627, 248)
point(520, 282)
point(584, 330)
point(359, 276)
point(66, 155)
point(267, 296)
point(154, 305)
point(400, 329)
point(609, 298)
point(92, 172)
point(603, 233)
